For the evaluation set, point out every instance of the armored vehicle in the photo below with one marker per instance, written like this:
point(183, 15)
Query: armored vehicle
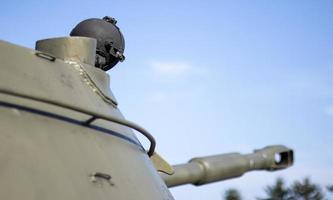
point(62, 135)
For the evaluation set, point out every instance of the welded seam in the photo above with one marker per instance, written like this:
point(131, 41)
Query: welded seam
point(88, 81)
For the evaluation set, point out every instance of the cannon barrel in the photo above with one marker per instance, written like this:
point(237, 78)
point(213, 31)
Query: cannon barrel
point(203, 170)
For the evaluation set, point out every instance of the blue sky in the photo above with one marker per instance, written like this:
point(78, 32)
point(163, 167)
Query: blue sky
point(207, 77)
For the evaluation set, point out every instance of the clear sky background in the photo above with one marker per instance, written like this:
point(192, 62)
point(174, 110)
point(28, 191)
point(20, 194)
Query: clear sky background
point(208, 77)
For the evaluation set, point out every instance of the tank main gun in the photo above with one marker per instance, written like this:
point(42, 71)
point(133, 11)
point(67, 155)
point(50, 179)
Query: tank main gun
point(204, 170)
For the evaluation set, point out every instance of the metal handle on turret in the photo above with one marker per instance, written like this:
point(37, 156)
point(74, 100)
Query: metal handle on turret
point(94, 116)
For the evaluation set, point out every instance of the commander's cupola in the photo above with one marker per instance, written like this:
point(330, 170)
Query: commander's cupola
point(96, 42)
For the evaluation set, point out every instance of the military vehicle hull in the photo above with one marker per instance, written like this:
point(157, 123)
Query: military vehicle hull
point(48, 151)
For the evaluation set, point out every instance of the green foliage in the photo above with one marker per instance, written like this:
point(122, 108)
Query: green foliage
point(299, 190)
point(306, 190)
point(232, 194)
point(278, 191)
point(330, 188)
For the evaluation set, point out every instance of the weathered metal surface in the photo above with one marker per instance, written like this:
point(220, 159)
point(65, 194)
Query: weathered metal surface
point(26, 73)
point(80, 49)
point(47, 153)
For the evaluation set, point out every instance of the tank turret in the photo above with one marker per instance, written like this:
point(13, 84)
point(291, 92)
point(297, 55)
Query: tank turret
point(62, 135)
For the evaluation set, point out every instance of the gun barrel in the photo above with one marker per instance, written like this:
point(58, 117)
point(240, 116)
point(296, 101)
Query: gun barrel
point(199, 171)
